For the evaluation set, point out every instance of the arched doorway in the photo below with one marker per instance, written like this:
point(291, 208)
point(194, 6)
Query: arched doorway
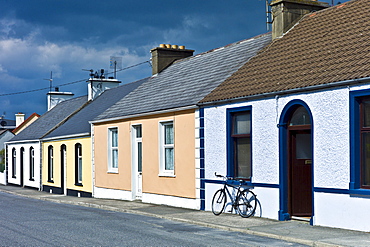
point(296, 166)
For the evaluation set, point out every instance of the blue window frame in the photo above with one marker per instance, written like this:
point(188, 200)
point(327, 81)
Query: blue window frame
point(239, 142)
point(360, 142)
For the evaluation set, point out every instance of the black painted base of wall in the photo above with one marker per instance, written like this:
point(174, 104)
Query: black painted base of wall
point(78, 193)
point(52, 189)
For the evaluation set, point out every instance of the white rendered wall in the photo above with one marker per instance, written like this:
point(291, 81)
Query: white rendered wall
point(147, 198)
point(26, 166)
point(342, 211)
point(173, 201)
point(112, 194)
point(331, 149)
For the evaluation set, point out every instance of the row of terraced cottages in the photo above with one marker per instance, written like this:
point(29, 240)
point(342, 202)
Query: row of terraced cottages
point(288, 112)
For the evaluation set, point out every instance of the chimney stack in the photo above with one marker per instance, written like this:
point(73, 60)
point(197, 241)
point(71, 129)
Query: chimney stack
point(286, 13)
point(56, 97)
point(97, 84)
point(19, 118)
point(164, 55)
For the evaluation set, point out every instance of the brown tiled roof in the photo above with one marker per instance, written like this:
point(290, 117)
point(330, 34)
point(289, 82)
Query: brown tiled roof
point(328, 46)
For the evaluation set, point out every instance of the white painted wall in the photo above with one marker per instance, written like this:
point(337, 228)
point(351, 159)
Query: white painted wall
point(147, 198)
point(342, 211)
point(26, 171)
point(331, 147)
point(112, 194)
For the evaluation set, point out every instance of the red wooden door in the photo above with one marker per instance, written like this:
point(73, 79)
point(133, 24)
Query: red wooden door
point(300, 172)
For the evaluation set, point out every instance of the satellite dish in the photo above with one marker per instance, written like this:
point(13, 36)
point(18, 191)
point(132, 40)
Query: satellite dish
point(3, 123)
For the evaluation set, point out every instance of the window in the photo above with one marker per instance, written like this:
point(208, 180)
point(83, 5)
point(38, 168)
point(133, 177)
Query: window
point(365, 142)
point(360, 142)
point(167, 153)
point(239, 143)
point(50, 164)
point(78, 164)
point(14, 164)
point(113, 150)
point(32, 164)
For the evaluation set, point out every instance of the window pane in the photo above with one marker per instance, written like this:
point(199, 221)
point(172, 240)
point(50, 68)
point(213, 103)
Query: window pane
point(303, 146)
point(168, 134)
point(366, 112)
point(300, 117)
point(168, 158)
point(115, 158)
point(138, 131)
point(139, 157)
point(243, 157)
point(242, 123)
point(114, 138)
point(80, 169)
point(366, 158)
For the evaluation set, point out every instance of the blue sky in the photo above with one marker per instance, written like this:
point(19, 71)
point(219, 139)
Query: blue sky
point(67, 36)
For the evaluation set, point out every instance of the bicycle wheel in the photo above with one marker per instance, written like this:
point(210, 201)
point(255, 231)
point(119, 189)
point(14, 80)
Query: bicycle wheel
point(246, 203)
point(218, 202)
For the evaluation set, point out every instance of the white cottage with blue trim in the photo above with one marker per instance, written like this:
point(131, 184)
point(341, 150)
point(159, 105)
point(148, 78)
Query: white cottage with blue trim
point(294, 121)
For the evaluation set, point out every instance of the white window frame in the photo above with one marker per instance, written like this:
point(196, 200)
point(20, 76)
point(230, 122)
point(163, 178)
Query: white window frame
point(162, 149)
point(111, 149)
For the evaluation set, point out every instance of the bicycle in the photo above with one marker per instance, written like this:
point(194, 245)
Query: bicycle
point(245, 202)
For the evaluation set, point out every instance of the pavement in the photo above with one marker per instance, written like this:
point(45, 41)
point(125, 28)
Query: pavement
point(292, 231)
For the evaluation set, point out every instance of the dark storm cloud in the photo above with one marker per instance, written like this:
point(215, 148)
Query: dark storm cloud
point(66, 36)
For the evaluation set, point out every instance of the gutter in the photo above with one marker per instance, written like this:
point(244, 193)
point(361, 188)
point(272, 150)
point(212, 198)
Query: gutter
point(87, 134)
point(22, 141)
point(144, 114)
point(289, 91)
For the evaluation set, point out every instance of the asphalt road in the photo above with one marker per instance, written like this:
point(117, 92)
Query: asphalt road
point(30, 222)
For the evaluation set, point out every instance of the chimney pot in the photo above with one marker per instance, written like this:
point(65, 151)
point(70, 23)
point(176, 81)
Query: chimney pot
point(174, 46)
point(168, 46)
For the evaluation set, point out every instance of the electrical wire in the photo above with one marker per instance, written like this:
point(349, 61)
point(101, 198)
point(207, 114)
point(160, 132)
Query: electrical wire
point(69, 83)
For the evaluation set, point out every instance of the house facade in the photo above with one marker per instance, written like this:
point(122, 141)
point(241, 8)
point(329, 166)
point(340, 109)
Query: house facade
point(24, 151)
point(149, 145)
point(142, 161)
point(67, 150)
point(292, 122)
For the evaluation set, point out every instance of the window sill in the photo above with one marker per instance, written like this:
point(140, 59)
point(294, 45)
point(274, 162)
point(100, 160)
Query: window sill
point(112, 172)
point(359, 192)
point(167, 175)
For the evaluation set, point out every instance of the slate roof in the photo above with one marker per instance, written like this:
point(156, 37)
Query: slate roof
point(331, 45)
point(188, 80)
point(50, 119)
point(79, 122)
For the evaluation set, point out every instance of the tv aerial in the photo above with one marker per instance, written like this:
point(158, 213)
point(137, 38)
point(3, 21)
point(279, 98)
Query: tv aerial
point(50, 80)
point(115, 63)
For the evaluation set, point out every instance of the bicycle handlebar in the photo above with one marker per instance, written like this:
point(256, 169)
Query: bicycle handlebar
point(229, 178)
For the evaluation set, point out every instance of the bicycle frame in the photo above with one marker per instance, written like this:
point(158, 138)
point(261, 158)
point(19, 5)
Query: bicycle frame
point(243, 200)
point(232, 196)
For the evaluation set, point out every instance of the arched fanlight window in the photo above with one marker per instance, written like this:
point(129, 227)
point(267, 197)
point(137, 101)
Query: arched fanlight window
point(300, 117)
